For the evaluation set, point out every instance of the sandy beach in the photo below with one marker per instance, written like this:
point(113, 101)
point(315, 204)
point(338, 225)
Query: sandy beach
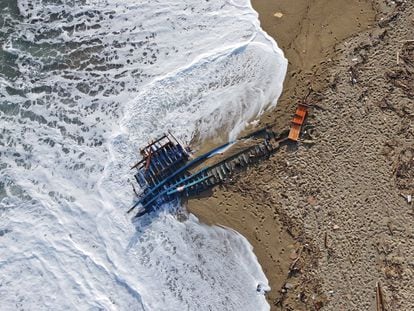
point(331, 218)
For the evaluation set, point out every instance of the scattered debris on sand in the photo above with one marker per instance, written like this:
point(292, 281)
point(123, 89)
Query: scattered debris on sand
point(337, 223)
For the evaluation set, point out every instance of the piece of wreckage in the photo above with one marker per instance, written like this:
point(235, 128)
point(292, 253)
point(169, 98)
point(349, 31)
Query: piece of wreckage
point(167, 172)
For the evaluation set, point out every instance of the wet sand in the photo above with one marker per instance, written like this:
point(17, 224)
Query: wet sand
point(329, 218)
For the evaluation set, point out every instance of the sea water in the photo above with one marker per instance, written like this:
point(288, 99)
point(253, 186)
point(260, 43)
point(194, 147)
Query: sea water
point(84, 84)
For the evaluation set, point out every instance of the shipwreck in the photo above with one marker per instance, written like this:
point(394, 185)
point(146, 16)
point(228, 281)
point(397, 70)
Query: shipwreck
point(168, 172)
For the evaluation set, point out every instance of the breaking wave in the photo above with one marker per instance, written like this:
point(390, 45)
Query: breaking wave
point(84, 83)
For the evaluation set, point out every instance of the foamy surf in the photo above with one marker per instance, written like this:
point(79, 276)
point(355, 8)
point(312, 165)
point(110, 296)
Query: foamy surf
point(85, 84)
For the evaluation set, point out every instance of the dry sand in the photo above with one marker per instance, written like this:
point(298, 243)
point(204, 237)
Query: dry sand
point(328, 218)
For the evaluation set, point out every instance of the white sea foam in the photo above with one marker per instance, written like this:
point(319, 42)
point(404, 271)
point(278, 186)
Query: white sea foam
point(88, 83)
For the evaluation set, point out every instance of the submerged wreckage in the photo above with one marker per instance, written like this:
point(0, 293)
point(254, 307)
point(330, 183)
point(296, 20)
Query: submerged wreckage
point(167, 171)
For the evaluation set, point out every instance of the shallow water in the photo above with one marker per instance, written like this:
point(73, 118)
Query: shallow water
point(82, 85)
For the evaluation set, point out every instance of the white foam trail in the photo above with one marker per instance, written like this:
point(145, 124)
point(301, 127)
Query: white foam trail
point(89, 82)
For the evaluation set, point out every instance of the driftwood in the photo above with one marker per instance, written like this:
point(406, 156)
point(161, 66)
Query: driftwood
point(380, 298)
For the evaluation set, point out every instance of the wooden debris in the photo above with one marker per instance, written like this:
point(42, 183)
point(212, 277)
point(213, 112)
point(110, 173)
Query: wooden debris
point(297, 122)
point(278, 14)
point(380, 298)
point(292, 266)
point(408, 197)
point(308, 142)
point(389, 225)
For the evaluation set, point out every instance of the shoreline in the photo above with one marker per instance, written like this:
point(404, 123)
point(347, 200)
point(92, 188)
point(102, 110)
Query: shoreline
point(287, 207)
point(273, 243)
